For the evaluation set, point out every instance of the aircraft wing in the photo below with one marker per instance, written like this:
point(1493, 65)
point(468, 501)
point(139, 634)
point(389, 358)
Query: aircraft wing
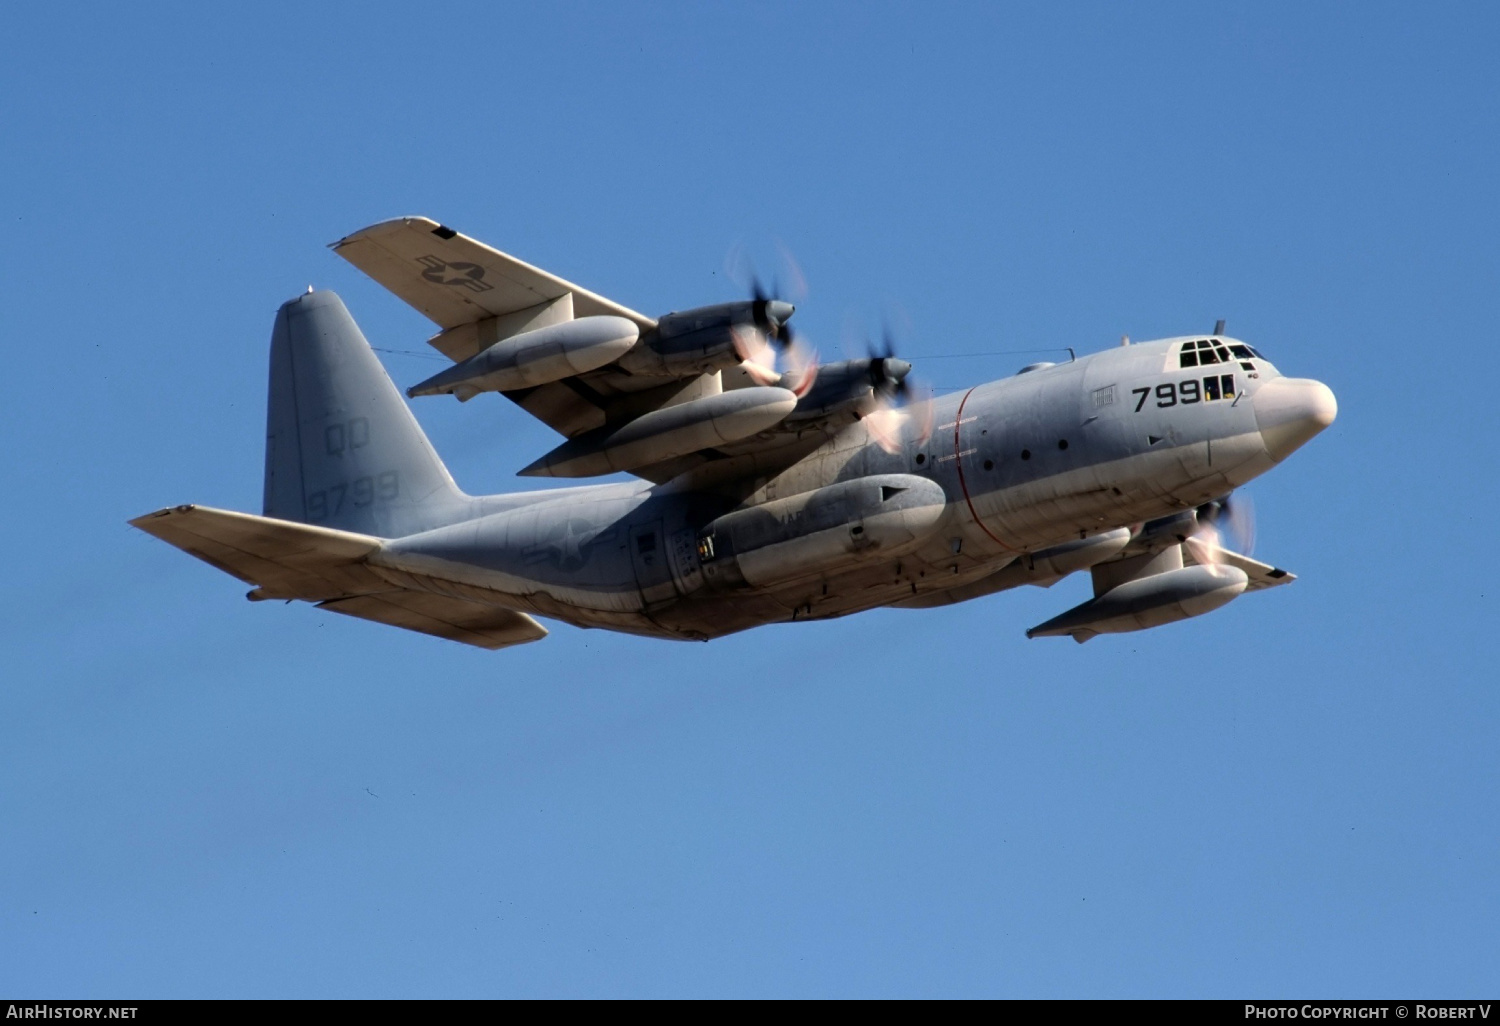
point(287, 560)
point(478, 296)
point(455, 280)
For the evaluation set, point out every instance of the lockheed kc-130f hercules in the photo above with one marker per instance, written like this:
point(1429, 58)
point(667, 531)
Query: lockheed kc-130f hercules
point(760, 495)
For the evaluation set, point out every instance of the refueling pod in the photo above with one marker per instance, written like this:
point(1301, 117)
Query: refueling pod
point(1164, 592)
point(536, 357)
point(821, 531)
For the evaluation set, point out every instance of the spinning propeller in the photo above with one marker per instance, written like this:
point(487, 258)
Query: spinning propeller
point(757, 343)
point(1224, 525)
point(899, 404)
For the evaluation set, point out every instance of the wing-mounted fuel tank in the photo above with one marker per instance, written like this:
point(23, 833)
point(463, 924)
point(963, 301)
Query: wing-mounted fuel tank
point(536, 357)
point(702, 340)
point(1146, 591)
point(821, 531)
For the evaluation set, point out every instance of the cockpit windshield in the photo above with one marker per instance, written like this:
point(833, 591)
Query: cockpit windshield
point(1206, 351)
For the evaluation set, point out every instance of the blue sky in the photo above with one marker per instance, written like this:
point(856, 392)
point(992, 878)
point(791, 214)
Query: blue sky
point(1295, 795)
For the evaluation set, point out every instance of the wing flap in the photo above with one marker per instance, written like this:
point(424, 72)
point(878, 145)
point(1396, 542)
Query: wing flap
point(471, 623)
point(455, 280)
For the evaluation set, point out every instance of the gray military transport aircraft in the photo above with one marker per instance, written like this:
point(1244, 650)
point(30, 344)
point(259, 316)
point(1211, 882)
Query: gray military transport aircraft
point(762, 496)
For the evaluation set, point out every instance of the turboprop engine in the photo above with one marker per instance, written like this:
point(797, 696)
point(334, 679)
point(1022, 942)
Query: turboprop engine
point(535, 357)
point(821, 531)
point(703, 339)
point(668, 433)
point(849, 385)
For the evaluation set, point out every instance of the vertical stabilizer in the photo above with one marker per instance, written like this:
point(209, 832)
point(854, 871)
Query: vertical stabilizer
point(342, 448)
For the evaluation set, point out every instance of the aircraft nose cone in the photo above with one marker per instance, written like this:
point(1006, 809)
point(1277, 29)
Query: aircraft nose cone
point(780, 311)
point(1289, 411)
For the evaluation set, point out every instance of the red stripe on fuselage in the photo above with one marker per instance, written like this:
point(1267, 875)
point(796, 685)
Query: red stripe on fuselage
point(958, 423)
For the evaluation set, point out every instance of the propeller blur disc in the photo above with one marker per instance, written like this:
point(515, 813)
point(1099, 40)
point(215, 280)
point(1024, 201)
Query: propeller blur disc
point(1225, 525)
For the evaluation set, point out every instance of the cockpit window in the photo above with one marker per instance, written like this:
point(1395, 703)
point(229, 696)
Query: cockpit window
point(1241, 352)
point(1205, 351)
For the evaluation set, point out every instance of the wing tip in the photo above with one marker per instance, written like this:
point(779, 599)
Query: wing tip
point(394, 224)
point(166, 511)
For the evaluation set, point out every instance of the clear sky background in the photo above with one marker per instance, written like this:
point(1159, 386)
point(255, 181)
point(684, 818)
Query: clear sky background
point(1296, 795)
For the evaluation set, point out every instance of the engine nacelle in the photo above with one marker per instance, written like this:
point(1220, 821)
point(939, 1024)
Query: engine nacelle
point(702, 339)
point(1046, 567)
point(536, 357)
point(821, 531)
point(1078, 554)
point(846, 385)
point(1147, 602)
point(668, 433)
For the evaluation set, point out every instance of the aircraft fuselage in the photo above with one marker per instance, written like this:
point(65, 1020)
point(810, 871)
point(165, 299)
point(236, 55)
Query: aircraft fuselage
point(1058, 453)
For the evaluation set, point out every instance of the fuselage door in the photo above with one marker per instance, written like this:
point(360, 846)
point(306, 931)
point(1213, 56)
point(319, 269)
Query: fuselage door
point(653, 572)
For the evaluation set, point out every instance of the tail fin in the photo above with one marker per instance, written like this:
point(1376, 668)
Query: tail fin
point(342, 448)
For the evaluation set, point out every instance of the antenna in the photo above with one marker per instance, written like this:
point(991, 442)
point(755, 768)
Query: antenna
point(1219, 326)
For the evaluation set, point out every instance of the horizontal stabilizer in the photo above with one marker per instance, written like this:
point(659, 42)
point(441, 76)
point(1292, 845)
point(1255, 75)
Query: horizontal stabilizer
point(287, 560)
point(318, 564)
point(472, 623)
